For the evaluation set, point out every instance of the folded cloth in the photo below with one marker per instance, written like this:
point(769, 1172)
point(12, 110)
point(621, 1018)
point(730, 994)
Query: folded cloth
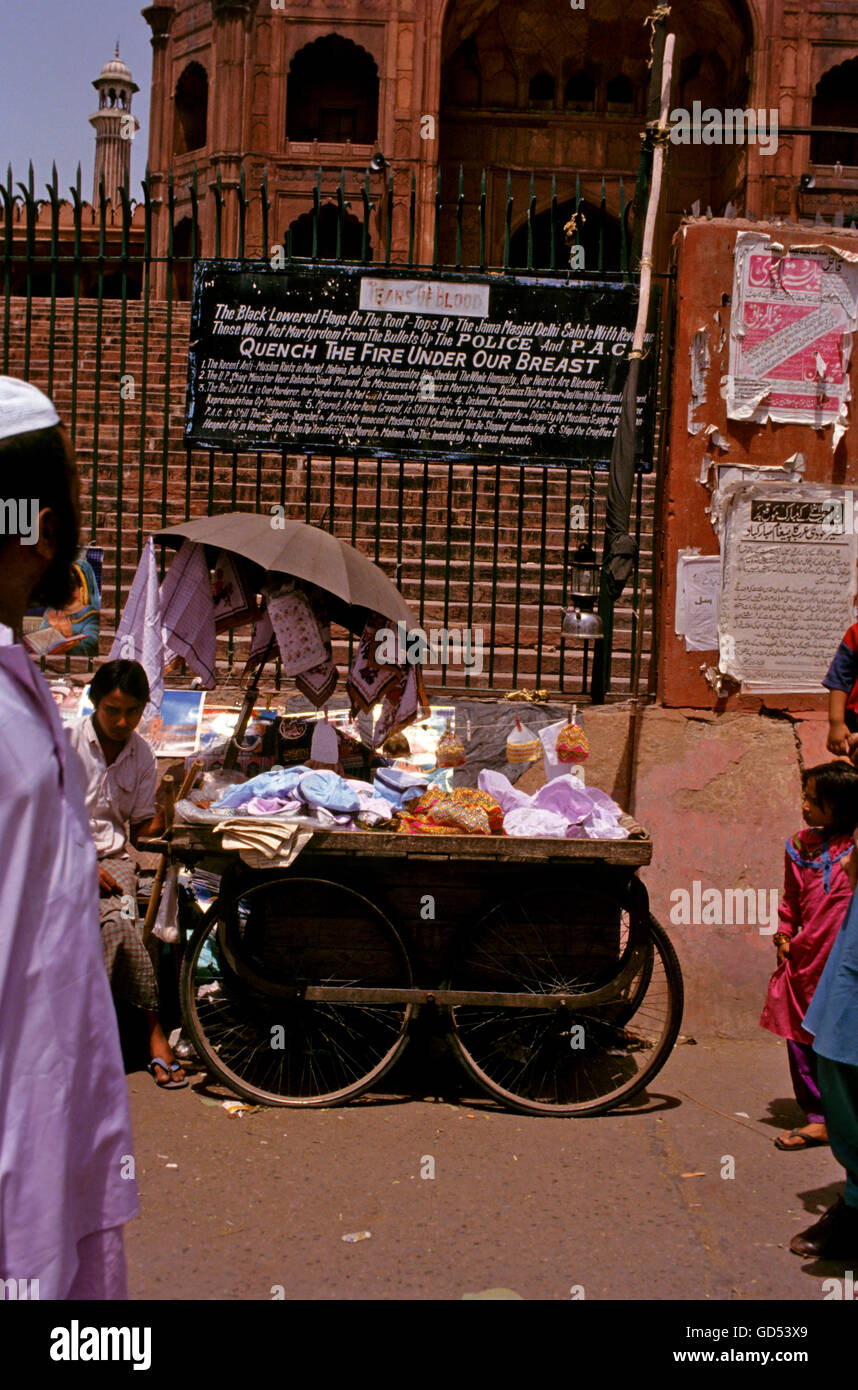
point(530, 821)
point(465, 808)
point(375, 808)
point(279, 782)
point(269, 846)
point(330, 791)
point(187, 612)
point(393, 782)
point(295, 625)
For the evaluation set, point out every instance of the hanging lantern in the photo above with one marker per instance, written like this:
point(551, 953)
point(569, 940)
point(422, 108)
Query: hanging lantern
point(581, 623)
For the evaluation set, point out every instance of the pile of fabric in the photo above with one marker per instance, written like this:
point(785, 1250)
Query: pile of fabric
point(405, 803)
point(562, 809)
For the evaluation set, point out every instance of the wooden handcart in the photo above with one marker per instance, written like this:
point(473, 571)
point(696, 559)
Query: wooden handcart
point(561, 994)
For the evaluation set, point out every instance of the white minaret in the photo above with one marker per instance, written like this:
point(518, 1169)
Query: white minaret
point(114, 127)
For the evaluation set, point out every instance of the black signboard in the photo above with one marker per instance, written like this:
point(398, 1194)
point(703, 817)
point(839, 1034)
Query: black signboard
point(386, 361)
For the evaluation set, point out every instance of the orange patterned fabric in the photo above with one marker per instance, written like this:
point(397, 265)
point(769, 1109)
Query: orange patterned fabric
point(465, 809)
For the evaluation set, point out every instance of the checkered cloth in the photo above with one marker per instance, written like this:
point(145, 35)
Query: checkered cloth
point(188, 613)
point(127, 961)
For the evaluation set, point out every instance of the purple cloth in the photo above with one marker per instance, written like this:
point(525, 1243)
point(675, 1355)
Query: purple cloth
point(267, 806)
point(101, 1272)
point(138, 636)
point(802, 1070)
point(188, 612)
point(500, 787)
point(565, 796)
point(65, 1128)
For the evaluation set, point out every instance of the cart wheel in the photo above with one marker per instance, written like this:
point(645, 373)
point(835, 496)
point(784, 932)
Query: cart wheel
point(239, 977)
point(568, 1061)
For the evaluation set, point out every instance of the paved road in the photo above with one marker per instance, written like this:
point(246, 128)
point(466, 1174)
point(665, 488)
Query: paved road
point(232, 1208)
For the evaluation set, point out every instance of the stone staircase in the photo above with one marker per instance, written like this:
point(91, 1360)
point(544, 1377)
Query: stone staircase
point(473, 546)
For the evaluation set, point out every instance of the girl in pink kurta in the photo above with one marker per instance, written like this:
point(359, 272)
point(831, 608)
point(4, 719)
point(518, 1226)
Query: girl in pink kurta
point(815, 900)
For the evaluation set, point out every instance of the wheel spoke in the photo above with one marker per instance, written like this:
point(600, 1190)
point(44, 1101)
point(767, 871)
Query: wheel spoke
point(297, 932)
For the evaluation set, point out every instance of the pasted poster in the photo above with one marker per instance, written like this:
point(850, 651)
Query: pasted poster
point(474, 367)
point(698, 595)
point(73, 629)
point(791, 327)
point(788, 584)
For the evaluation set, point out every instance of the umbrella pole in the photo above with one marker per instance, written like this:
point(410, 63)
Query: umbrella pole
point(251, 695)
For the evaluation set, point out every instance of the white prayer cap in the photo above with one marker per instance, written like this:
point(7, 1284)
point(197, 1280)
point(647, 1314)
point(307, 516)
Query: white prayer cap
point(24, 407)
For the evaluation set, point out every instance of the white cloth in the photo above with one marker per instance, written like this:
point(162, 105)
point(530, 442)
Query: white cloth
point(65, 1128)
point(530, 821)
point(138, 636)
point(299, 635)
point(23, 407)
point(7, 636)
point(117, 796)
point(188, 614)
point(270, 845)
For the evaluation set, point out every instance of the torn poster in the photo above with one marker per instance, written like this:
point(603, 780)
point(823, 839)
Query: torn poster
point(788, 584)
point(791, 333)
point(700, 363)
point(698, 593)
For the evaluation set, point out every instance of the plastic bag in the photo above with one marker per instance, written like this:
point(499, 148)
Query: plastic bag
point(166, 926)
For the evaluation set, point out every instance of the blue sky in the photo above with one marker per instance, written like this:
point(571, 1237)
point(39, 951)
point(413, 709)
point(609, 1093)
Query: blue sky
point(50, 51)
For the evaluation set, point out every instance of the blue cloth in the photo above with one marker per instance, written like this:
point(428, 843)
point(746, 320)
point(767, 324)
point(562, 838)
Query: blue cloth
point(329, 790)
point(277, 782)
point(398, 786)
point(833, 1013)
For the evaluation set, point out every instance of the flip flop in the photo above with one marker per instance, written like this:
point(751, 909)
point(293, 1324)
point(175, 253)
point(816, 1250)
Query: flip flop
point(808, 1142)
point(173, 1084)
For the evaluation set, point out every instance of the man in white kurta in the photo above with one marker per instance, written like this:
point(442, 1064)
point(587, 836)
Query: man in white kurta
point(66, 1158)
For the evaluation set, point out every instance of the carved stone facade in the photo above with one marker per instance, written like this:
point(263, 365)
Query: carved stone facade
point(545, 88)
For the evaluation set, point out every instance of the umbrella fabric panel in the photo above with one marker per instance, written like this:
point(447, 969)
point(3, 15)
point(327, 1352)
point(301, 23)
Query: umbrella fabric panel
point(303, 551)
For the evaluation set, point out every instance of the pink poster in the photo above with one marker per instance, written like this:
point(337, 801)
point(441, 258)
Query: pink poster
point(791, 328)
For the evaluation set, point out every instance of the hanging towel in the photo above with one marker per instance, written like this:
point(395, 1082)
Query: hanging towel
point(138, 636)
point(188, 612)
point(368, 681)
point(295, 624)
point(320, 682)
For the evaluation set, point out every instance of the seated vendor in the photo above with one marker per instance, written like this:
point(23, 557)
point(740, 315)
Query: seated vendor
point(121, 780)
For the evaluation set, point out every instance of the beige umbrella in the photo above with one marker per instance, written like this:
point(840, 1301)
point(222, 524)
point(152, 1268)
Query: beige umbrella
point(304, 552)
